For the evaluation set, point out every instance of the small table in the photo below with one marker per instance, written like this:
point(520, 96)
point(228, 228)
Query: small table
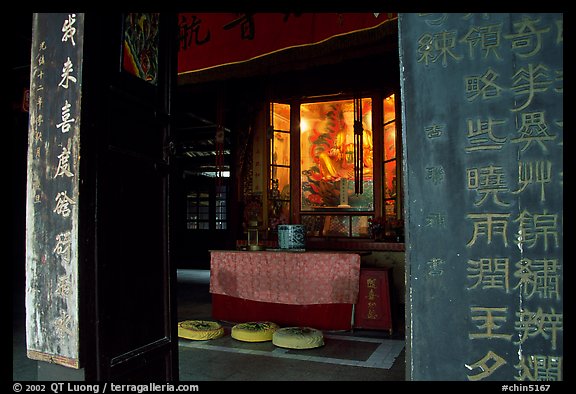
point(316, 289)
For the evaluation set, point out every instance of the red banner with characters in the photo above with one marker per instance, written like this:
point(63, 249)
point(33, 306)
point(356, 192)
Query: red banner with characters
point(213, 39)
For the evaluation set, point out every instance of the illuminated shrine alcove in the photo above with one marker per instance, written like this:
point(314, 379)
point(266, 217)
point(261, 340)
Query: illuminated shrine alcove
point(330, 147)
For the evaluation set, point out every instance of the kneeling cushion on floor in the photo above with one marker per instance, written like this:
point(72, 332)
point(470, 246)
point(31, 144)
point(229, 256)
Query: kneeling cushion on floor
point(298, 338)
point(254, 331)
point(200, 330)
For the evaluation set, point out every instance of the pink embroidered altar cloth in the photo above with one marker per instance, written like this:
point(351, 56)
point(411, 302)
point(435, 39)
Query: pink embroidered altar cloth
point(298, 278)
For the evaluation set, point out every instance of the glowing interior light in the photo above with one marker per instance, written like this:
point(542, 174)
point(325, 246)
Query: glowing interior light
point(304, 126)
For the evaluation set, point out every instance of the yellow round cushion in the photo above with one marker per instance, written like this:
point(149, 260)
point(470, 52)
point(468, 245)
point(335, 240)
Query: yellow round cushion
point(254, 331)
point(298, 338)
point(200, 330)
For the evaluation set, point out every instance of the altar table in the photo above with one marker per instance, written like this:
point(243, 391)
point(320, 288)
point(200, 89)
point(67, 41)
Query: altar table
point(315, 289)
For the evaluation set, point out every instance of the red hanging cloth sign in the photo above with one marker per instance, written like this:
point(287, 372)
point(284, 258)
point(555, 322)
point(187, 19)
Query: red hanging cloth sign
point(209, 40)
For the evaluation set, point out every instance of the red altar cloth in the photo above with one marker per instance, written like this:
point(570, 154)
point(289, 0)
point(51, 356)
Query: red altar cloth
point(319, 316)
point(315, 289)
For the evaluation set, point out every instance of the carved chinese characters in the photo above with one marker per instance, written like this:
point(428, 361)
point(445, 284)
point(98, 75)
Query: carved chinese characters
point(483, 97)
point(52, 327)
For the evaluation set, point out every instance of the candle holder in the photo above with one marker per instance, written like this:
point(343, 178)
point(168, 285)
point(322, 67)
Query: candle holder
point(253, 230)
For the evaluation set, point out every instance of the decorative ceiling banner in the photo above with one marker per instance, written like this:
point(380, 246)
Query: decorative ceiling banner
point(140, 45)
point(212, 40)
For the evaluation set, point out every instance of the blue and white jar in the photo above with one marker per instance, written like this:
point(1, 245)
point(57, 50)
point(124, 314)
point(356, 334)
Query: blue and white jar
point(291, 236)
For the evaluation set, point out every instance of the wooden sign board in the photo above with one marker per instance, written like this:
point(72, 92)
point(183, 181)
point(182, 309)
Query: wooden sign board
point(483, 145)
point(52, 321)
